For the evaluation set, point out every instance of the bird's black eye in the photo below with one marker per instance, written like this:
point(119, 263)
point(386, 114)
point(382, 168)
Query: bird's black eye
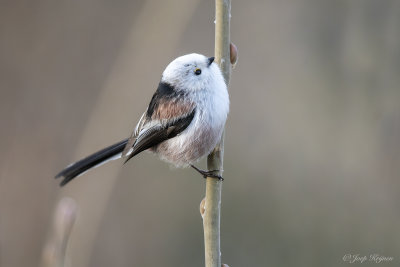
point(197, 71)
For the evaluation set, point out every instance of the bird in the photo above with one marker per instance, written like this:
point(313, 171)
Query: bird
point(183, 122)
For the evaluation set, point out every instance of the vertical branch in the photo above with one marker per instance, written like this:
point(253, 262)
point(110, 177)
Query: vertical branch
point(211, 218)
point(64, 218)
point(222, 37)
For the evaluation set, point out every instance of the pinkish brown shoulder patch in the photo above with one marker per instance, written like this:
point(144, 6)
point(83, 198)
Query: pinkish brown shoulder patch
point(168, 109)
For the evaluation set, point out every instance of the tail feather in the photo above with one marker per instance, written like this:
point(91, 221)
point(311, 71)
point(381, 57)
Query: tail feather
point(92, 161)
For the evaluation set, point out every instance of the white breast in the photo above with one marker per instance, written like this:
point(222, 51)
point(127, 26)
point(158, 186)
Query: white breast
point(205, 130)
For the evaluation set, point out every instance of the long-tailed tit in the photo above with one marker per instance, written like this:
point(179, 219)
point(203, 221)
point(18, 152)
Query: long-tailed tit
point(183, 122)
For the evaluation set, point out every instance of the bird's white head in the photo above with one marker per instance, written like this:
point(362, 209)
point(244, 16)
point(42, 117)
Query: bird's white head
point(192, 72)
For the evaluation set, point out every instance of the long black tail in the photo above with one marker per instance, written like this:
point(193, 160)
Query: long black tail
point(94, 160)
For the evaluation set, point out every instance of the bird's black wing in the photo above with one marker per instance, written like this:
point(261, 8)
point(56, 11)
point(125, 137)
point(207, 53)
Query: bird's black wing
point(169, 113)
point(155, 132)
point(132, 139)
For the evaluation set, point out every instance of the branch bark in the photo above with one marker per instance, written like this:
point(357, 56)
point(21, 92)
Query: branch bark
point(211, 218)
point(54, 252)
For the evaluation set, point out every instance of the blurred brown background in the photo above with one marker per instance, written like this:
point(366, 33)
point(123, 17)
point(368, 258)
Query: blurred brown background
point(312, 156)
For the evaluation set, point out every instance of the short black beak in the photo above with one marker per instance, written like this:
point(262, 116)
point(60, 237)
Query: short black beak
point(210, 60)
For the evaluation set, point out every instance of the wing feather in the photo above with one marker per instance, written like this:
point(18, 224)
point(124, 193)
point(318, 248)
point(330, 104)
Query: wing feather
point(155, 132)
point(135, 133)
point(167, 115)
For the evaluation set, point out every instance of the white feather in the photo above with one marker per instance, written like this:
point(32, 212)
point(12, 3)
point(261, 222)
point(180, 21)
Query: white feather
point(209, 93)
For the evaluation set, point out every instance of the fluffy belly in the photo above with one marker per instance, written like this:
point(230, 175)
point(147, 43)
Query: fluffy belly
point(190, 146)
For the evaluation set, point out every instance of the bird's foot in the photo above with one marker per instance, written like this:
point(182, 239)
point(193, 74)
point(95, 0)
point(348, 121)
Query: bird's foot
point(206, 174)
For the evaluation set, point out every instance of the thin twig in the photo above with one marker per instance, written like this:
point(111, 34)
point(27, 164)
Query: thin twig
point(211, 218)
point(63, 221)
